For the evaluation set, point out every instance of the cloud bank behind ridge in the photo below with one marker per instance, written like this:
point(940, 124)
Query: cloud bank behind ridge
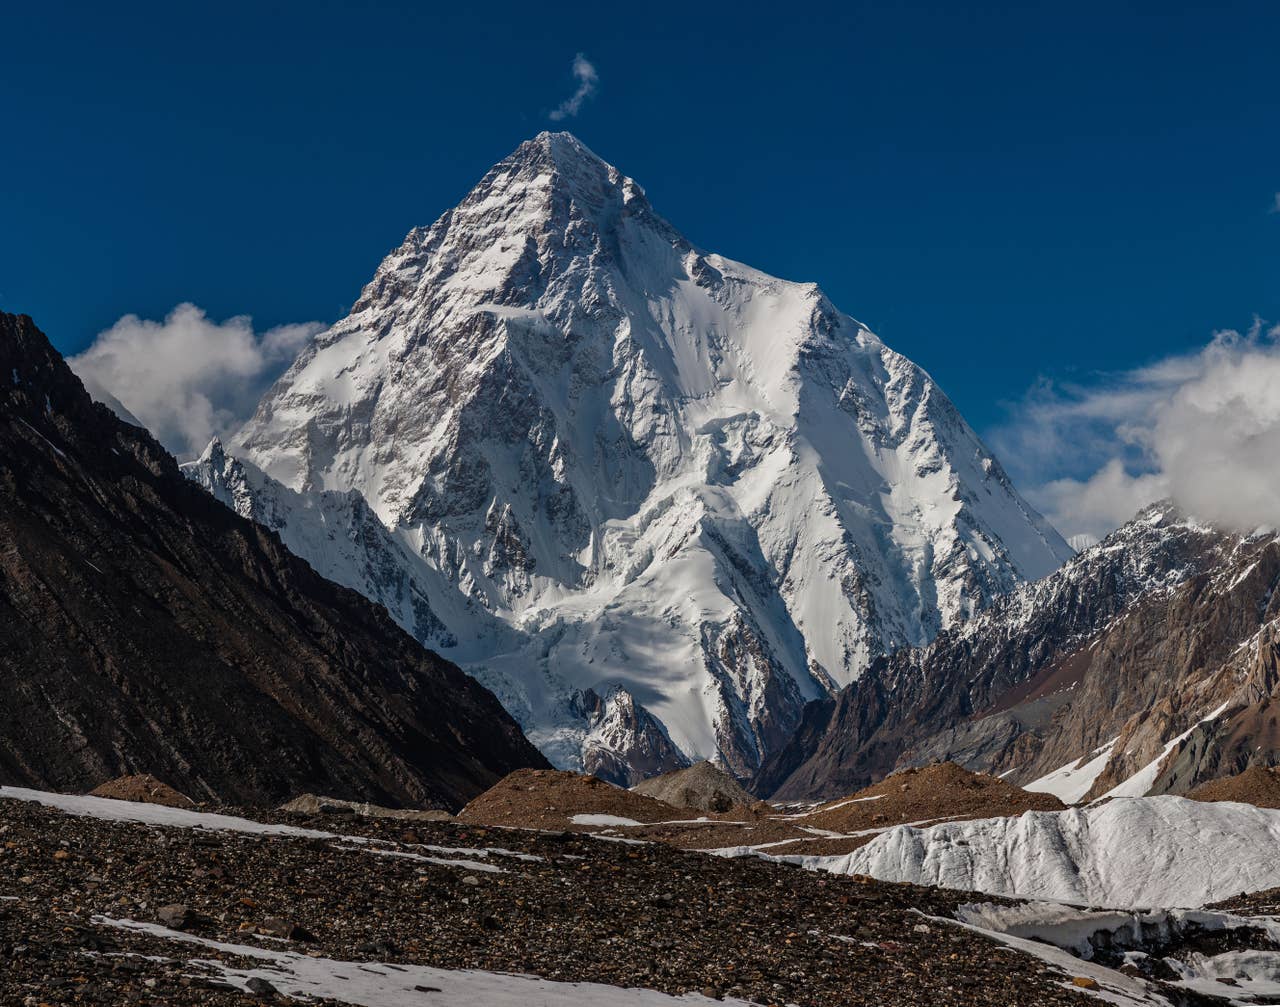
point(188, 378)
point(1202, 428)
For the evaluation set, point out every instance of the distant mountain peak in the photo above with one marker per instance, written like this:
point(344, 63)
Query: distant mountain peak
point(562, 146)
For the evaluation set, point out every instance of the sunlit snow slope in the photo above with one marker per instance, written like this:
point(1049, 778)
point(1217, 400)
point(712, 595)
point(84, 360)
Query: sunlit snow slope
point(1147, 851)
point(671, 497)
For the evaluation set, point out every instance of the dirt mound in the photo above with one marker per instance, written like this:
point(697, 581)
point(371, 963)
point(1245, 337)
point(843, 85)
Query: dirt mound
point(943, 790)
point(553, 799)
point(314, 804)
point(1257, 785)
point(922, 796)
point(549, 799)
point(701, 787)
point(144, 789)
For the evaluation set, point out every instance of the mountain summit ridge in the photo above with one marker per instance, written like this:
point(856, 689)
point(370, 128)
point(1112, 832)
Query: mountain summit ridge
point(623, 467)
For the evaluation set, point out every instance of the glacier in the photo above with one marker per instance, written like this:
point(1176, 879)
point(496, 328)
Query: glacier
point(1126, 852)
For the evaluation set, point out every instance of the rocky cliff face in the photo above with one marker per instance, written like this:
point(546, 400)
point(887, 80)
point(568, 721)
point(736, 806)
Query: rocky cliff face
point(1145, 665)
point(146, 627)
point(1182, 689)
point(604, 459)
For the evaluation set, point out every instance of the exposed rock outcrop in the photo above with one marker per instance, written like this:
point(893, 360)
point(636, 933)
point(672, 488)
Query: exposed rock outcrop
point(1129, 640)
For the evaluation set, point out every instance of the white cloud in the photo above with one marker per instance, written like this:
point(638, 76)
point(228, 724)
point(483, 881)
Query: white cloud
point(1201, 428)
point(1275, 206)
point(587, 78)
point(1092, 507)
point(188, 378)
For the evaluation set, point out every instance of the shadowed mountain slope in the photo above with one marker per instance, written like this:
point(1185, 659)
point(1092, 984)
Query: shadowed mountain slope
point(144, 627)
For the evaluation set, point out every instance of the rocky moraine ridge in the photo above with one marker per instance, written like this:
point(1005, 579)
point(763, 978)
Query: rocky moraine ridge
point(264, 910)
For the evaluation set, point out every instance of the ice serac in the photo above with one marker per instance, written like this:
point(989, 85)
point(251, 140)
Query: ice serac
point(1150, 851)
point(662, 470)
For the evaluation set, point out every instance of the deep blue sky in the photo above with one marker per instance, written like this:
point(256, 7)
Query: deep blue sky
point(1000, 191)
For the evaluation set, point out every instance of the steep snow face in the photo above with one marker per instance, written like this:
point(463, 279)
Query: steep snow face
point(338, 534)
point(1070, 783)
point(1129, 852)
point(664, 470)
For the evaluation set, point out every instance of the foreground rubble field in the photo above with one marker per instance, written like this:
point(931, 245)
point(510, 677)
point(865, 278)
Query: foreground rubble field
point(369, 901)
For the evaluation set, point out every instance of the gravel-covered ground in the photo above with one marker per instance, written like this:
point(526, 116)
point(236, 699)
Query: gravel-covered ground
point(585, 909)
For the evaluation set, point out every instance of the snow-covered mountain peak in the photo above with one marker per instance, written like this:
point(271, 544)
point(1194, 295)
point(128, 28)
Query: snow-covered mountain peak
point(214, 453)
point(573, 162)
point(668, 471)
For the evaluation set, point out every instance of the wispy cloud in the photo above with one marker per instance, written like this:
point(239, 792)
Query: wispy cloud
point(188, 377)
point(585, 74)
point(1275, 206)
point(1202, 428)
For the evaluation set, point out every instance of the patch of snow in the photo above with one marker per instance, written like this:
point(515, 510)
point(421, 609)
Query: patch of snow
point(695, 821)
point(109, 809)
point(1242, 575)
point(57, 450)
point(1070, 783)
point(1140, 782)
point(812, 863)
point(157, 814)
point(468, 865)
point(1077, 930)
point(485, 851)
point(1113, 987)
point(603, 821)
point(374, 984)
point(1253, 975)
point(823, 809)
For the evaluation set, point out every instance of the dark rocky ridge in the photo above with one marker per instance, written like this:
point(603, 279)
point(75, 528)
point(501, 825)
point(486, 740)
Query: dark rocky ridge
point(144, 627)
